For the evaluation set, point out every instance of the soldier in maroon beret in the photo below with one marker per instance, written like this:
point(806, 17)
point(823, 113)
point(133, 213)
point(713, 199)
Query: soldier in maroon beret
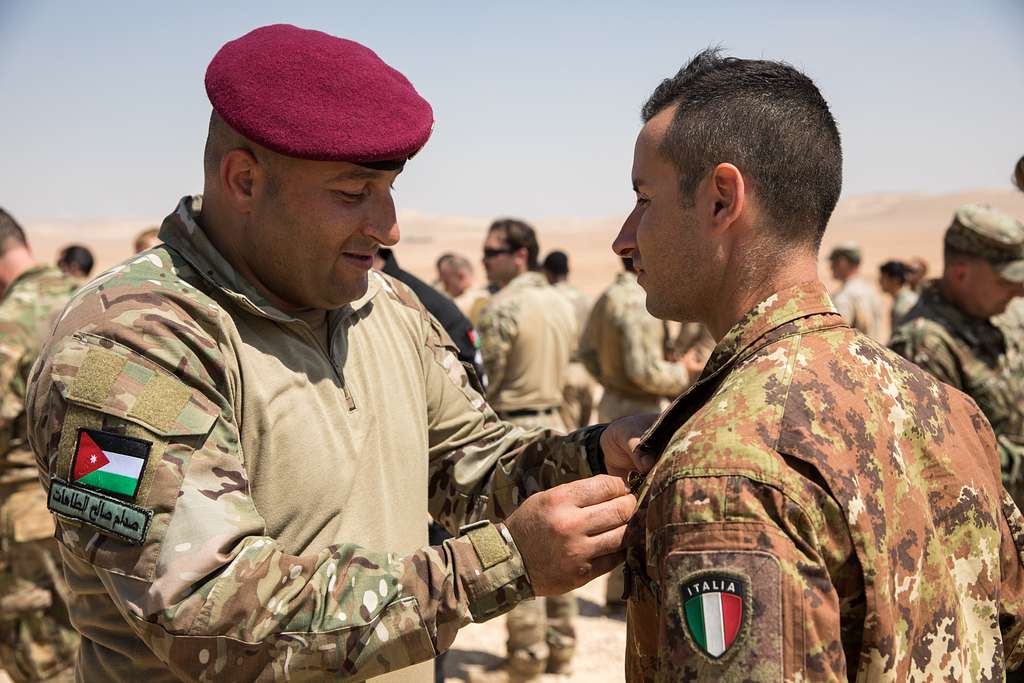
point(242, 429)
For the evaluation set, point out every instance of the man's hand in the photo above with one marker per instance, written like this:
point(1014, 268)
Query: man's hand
point(572, 533)
point(619, 441)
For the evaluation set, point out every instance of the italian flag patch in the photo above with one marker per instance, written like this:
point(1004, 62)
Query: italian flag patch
point(109, 463)
point(715, 607)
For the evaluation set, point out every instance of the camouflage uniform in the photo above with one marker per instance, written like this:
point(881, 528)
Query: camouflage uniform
point(624, 347)
point(37, 641)
point(971, 355)
point(822, 510)
point(861, 306)
point(527, 335)
point(275, 530)
point(578, 395)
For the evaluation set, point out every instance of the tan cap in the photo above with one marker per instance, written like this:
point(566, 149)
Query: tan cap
point(990, 234)
point(850, 250)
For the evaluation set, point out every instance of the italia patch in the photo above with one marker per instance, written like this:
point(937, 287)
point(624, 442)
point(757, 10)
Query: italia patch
point(715, 605)
point(109, 463)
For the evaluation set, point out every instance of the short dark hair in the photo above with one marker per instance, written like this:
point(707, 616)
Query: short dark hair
point(1018, 174)
point(11, 233)
point(768, 119)
point(951, 254)
point(897, 270)
point(77, 255)
point(519, 235)
point(556, 263)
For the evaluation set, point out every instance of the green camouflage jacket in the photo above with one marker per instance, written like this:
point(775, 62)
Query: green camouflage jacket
point(27, 313)
point(237, 502)
point(822, 510)
point(971, 355)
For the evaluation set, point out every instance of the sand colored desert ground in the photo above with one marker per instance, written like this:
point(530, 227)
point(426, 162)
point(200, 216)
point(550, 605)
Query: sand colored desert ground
point(886, 225)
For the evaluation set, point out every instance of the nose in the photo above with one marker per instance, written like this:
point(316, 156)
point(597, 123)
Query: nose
point(382, 223)
point(625, 242)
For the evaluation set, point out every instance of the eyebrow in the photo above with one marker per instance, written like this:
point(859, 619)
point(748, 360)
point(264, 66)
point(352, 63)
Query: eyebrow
point(357, 174)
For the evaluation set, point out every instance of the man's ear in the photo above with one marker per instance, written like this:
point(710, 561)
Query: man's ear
point(726, 196)
point(238, 170)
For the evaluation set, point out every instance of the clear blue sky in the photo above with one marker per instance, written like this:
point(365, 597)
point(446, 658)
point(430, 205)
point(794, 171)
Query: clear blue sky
point(104, 111)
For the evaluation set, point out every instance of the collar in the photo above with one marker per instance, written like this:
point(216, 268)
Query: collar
point(28, 275)
point(182, 232)
point(978, 333)
point(800, 309)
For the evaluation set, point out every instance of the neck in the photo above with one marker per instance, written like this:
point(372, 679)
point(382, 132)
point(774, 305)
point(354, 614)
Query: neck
point(14, 263)
point(744, 289)
point(223, 230)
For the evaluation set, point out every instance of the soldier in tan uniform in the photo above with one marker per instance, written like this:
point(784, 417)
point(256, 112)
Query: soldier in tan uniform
point(822, 509)
point(953, 333)
point(455, 274)
point(578, 395)
point(241, 431)
point(856, 300)
point(37, 642)
point(528, 333)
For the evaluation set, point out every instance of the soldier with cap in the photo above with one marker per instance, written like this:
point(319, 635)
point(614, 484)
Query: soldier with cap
point(37, 642)
point(528, 334)
point(241, 430)
point(821, 508)
point(950, 332)
point(856, 300)
point(578, 394)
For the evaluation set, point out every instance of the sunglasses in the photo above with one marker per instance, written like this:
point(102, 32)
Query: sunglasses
point(491, 253)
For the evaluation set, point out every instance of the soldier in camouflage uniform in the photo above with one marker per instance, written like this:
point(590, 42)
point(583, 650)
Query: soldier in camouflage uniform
point(822, 509)
point(528, 333)
point(951, 334)
point(37, 642)
point(242, 430)
point(578, 395)
point(624, 347)
point(856, 300)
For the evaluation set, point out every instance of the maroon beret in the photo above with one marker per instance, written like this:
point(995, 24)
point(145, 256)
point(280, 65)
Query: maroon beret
point(310, 95)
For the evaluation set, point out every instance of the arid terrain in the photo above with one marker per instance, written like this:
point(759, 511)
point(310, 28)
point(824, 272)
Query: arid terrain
point(886, 225)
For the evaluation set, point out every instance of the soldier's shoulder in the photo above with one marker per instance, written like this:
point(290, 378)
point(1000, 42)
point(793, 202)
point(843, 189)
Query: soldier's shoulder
point(157, 292)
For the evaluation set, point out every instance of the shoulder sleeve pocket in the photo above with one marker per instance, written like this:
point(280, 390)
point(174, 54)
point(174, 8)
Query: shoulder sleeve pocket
point(128, 432)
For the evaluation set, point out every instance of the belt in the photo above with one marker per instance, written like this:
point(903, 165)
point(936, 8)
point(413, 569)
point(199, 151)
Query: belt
point(527, 412)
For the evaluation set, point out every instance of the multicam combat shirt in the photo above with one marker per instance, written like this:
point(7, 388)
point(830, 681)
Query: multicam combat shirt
point(822, 510)
point(236, 502)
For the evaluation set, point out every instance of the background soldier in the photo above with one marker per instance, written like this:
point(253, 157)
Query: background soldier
point(950, 332)
point(578, 395)
point(818, 499)
point(624, 347)
point(37, 642)
point(76, 261)
point(528, 334)
point(856, 300)
point(455, 274)
point(892, 278)
point(242, 429)
point(147, 239)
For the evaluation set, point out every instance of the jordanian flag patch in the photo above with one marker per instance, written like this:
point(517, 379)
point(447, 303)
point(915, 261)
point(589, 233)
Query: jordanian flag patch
point(109, 463)
point(715, 605)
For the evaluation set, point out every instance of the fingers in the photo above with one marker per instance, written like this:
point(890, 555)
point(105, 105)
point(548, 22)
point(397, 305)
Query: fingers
point(610, 514)
point(604, 564)
point(598, 489)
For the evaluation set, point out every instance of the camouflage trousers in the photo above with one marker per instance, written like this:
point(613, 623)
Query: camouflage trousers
point(541, 629)
point(578, 397)
point(37, 641)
